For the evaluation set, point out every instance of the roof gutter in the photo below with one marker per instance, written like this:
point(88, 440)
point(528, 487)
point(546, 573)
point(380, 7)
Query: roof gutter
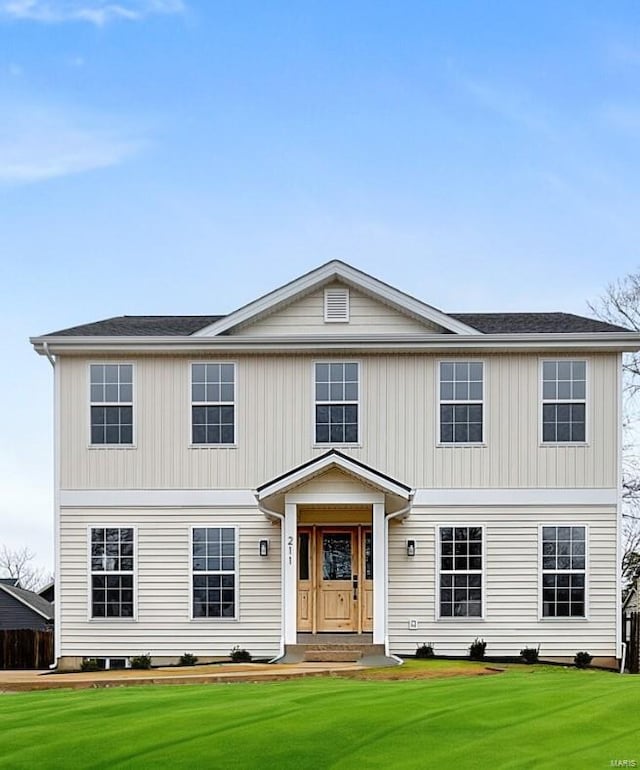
point(392, 343)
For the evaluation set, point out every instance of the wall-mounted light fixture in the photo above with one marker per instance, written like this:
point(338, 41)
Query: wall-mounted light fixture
point(411, 547)
point(264, 548)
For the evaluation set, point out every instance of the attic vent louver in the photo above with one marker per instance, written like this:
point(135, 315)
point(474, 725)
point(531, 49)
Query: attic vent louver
point(336, 305)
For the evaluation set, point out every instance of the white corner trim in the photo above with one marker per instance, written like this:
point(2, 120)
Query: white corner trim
point(157, 498)
point(506, 497)
point(332, 270)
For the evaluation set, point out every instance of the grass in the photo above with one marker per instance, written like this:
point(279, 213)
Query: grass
point(527, 717)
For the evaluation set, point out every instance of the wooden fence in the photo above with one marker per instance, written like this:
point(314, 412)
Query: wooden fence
point(26, 648)
point(631, 633)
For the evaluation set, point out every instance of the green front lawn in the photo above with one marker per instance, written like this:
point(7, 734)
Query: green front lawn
point(528, 717)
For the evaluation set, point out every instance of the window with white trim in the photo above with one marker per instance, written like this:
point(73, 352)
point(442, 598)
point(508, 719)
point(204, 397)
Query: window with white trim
point(213, 553)
point(564, 393)
point(461, 402)
point(112, 571)
point(336, 407)
point(563, 572)
point(213, 403)
point(460, 572)
point(111, 388)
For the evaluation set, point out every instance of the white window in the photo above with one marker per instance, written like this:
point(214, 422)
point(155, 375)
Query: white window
point(111, 387)
point(213, 403)
point(214, 568)
point(336, 408)
point(564, 556)
point(336, 305)
point(461, 402)
point(564, 393)
point(112, 569)
point(460, 572)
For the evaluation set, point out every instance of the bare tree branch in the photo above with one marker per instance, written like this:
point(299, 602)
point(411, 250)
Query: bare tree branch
point(620, 304)
point(17, 564)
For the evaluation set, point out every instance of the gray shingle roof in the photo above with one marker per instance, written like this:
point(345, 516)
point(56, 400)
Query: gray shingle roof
point(487, 323)
point(31, 599)
point(140, 326)
point(534, 323)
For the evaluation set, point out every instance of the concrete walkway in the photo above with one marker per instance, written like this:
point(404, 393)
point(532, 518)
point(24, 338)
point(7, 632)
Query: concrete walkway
point(21, 681)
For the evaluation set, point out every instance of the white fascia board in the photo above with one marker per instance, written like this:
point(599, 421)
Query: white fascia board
point(333, 461)
point(512, 497)
point(330, 271)
point(9, 592)
point(624, 342)
point(157, 498)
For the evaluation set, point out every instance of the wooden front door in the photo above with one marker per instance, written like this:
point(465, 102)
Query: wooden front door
point(335, 579)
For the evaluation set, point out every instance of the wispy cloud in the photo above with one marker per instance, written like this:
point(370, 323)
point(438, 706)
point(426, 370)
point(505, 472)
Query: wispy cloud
point(44, 143)
point(98, 12)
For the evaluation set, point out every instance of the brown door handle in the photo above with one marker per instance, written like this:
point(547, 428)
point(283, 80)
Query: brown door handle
point(355, 588)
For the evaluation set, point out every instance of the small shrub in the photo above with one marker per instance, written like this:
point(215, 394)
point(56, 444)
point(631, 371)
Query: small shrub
point(188, 659)
point(582, 659)
point(90, 664)
point(425, 650)
point(477, 649)
point(238, 655)
point(141, 661)
point(530, 654)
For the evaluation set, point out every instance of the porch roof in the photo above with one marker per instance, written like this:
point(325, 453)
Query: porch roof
point(334, 459)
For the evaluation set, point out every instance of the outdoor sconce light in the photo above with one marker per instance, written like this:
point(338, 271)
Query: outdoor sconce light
point(264, 548)
point(411, 547)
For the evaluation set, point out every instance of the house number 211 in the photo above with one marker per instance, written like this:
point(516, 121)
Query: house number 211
point(290, 545)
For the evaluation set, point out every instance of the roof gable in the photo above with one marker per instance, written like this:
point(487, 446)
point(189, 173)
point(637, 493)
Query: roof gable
point(327, 274)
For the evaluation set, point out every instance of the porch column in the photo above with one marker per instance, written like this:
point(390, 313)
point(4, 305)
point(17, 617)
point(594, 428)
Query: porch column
point(290, 569)
point(379, 574)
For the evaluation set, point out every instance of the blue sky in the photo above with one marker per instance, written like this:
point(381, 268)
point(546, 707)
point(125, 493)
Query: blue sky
point(182, 156)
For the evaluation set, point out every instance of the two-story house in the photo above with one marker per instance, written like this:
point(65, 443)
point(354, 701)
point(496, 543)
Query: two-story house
point(337, 457)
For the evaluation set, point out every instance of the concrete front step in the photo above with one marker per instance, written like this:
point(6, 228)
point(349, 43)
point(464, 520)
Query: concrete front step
point(332, 656)
point(332, 652)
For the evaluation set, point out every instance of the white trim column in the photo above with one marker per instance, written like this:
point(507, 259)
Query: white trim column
point(290, 570)
point(379, 574)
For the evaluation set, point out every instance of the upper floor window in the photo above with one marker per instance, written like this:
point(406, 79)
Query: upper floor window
point(214, 572)
point(336, 391)
point(111, 403)
point(461, 402)
point(563, 572)
point(213, 403)
point(460, 572)
point(112, 563)
point(564, 392)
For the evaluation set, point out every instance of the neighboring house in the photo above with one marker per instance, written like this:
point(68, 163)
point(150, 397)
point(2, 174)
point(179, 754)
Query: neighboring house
point(338, 457)
point(20, 608)
point(48, 592)
point(632, 599)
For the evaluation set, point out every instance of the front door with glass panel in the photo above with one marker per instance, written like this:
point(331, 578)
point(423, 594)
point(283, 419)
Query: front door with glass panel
point(335, 579)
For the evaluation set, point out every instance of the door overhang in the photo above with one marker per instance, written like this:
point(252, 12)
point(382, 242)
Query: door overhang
point(371, 486)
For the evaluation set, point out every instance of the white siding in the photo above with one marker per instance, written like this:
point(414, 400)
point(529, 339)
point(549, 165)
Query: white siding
point(512, 574)
point(366, 316)
point(163, 626)
point(398, 410)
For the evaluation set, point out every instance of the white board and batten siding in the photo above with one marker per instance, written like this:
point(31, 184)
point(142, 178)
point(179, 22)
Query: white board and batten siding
point(398, 427)
point(163, 625)
point(512, 574)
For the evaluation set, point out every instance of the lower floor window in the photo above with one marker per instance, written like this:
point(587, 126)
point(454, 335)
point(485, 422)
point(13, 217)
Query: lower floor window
point(213, 554)
point(460, 567)
point(563, 571)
